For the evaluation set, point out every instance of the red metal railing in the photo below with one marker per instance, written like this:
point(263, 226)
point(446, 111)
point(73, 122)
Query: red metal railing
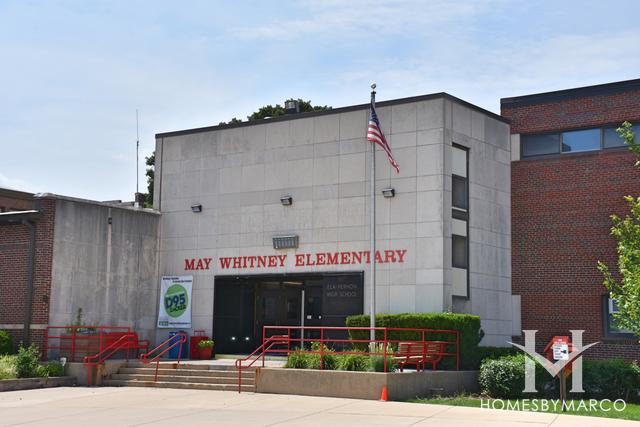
point(75, 342)
point(387, 338)
point(162, 349)
point(258, 353)
point(124, 342)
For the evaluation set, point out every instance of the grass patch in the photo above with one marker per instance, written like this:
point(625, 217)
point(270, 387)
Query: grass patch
point(631, 412)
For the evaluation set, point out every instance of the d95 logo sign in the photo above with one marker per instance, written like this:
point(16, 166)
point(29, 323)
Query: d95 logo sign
point(176, 300)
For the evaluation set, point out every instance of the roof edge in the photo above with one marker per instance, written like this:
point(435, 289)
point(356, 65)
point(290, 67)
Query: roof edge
point(338, 110)
point(579, 92)
point(94, 202)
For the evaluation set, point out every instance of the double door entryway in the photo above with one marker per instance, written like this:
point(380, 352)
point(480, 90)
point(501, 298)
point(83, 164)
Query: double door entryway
point(244, 304)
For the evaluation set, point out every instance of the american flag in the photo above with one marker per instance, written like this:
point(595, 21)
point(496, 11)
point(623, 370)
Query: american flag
point(374, 134)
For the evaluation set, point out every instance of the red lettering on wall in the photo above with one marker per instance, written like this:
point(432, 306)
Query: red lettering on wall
point(301, 260)
point(201, 264)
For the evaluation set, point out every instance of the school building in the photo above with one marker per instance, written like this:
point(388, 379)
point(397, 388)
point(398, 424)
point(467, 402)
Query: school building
point(267, 223)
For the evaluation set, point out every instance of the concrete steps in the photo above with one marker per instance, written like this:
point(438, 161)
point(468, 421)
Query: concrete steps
point(183, 376)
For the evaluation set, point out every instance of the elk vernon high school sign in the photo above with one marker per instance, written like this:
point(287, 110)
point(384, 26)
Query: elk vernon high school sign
point(395, 256)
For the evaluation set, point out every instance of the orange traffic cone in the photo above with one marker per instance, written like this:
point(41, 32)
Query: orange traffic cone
point(383, 395)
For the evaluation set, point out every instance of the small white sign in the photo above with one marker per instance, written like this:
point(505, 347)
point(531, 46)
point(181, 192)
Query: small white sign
point(561, 351)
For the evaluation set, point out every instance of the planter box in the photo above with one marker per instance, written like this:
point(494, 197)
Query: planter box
point(365, 385)
point(30, 383)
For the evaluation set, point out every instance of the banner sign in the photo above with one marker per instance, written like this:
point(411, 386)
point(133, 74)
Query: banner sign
point(175, 302)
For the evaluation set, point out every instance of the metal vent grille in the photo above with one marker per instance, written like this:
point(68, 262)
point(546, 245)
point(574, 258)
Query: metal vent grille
point(285, 242)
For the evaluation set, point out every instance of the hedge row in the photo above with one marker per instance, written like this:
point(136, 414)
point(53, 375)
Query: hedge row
point(6, 345)
point(468, 325)
point(503, 378)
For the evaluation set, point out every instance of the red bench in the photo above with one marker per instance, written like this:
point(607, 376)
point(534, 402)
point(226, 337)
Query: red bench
point(131, 344)
point(419, 353)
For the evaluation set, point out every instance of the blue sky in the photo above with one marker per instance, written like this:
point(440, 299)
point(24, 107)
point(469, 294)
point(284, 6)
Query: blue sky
point(74, 72)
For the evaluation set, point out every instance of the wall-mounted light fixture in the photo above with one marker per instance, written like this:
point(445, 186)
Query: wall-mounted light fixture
point(388, 192)
point(196, 208)
point(285, 242)
point(286, 200)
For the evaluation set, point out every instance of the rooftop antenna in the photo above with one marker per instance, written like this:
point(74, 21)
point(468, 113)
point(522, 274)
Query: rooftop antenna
point(137, 150)
point(136, 203)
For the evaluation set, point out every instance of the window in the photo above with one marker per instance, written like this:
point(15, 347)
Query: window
point(537, 145)
point(573, 141)
point(581, 140)
point(459, 197)
point(611, 328)
point(459, 251)
point(611, 138)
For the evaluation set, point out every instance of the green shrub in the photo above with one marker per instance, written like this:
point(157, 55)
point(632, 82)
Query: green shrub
point(487, 352)
point(296, 360)
point(6, 345)
point(610, 379)
point(327, 361)
point(8, 367)
point(27, 362)
point(302, 360)
point(502, 378)
point(467, 324)
point(354, 362)
point(50, 369)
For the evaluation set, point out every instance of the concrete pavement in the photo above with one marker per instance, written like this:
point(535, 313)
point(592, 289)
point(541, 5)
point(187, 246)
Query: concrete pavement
point(128, 406)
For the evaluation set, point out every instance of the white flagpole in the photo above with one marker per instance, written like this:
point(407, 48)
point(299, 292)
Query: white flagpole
point(372, 231)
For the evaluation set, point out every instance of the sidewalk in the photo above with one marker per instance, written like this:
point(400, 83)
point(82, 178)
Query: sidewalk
point(106, 406)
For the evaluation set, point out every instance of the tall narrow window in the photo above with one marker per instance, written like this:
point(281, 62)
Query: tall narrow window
point(459, 252)
point(460, 220)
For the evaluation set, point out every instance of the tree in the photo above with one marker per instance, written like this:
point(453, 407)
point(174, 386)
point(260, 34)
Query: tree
point(151, 165)
point(263, 112)
point(626, 290)
point(278, 110)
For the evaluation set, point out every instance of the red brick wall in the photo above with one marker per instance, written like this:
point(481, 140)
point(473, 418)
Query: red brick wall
point(574, 113)
point(14, 252)
point(560, 220)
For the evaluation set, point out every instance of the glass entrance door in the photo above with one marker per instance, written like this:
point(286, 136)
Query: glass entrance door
point(277, 304)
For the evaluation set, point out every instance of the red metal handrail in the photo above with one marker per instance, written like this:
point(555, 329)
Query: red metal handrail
point(76, 340)
point(266, 346)
point(269, 341)
point(120, 344)
point(169, 343)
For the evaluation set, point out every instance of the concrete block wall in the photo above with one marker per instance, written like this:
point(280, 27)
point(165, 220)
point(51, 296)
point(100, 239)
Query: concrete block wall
point(107, 269)
point(238, 175)
point(489, 219)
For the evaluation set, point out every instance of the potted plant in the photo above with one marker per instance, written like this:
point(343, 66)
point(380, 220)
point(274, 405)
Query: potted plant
point(205, 349)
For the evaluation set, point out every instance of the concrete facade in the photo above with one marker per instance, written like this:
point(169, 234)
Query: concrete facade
point(238, 174)
point(104, 262)
point(365, 385)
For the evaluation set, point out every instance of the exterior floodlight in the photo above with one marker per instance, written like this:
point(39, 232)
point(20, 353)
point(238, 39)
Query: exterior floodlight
point(389, 192)
point(286, 200)
point(196, 208)
point(285, 242)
